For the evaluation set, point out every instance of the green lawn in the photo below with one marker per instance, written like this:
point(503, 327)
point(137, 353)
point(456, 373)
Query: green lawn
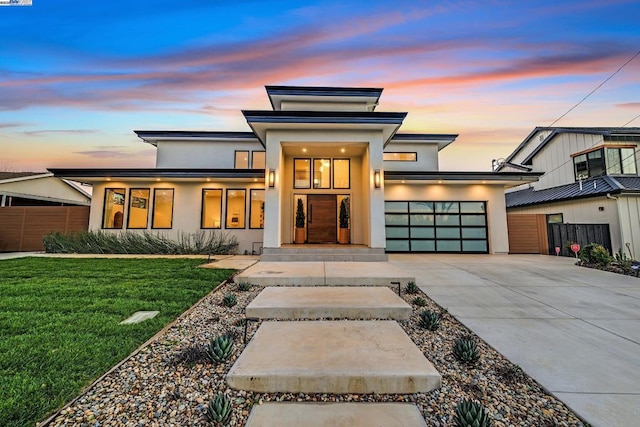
point(59, 320)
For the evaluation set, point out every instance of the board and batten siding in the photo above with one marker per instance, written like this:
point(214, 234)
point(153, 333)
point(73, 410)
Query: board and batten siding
point(582, 211)
point(531, 145)
point(555, 158)
point(629, 213)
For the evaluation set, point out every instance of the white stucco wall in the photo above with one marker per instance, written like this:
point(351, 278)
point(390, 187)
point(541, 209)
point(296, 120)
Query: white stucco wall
point(427, 157)
point(201, 154)
point(187, 208)
point(583, 211)
point(492, 194)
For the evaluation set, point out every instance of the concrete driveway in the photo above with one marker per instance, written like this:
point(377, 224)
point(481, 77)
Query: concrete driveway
point(575, 330)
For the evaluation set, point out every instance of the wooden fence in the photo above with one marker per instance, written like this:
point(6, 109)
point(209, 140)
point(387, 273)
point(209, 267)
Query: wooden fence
point(22, 228)
point(527, 234)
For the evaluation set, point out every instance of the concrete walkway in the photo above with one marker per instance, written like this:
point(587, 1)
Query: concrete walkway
point(575, 330)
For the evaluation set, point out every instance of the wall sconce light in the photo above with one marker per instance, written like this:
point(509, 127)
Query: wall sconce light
point(376, 178)
point(272, 178)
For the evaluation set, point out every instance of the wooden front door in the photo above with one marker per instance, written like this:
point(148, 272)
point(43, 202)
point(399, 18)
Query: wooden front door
point(322, 218)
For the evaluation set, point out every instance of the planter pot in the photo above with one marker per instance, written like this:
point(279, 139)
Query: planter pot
point(299, 236)
point(343, 235)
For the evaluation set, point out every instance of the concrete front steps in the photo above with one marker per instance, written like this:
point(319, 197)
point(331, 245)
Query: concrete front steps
point(328, 302)
point(327, 252)
point(335, 415)
point(333, 357)
point(323, 274)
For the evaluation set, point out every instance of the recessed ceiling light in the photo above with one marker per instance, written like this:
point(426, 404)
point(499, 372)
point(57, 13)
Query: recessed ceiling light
point(403, 181)
point(208, 179)
point(304, 150)
point(439, 182)
point(157, 179)
point(108, 179)
point(255, 179)
point(342, 150)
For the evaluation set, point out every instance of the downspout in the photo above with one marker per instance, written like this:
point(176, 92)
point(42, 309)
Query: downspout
point(610, 197)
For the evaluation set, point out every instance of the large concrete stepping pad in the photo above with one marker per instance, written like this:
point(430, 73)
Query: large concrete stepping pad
point(335, 415)
point(328, 302)
point(333, 357)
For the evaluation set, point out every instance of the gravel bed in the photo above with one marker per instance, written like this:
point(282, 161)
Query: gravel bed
point(170, 382)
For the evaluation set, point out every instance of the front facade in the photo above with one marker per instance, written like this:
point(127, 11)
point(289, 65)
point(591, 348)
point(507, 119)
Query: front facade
point(325, 149)
point(590, 177)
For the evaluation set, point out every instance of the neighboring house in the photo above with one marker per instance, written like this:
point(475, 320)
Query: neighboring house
point(322, 145)
point(34, 204)
point(590, 177)
point(40, 189)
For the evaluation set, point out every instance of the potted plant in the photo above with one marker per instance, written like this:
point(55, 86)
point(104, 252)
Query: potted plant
point(299, 235)
point(343, 232)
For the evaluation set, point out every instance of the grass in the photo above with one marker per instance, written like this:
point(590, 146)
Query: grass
point(60, 322)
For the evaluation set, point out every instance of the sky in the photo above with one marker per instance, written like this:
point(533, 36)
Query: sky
point(76, 78)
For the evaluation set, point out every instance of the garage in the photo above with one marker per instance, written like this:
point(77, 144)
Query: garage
point(436, 226)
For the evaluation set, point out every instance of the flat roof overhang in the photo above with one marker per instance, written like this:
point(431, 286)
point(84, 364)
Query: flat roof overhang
point(262, 120)
point(193, 175)
point(366, 95)
point(424, 138)
point(508, 179)
point(153, 136)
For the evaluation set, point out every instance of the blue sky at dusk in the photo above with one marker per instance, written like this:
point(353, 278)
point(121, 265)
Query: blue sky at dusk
point(77, 77)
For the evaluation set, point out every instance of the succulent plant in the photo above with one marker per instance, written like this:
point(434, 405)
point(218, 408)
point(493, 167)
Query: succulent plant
point(229, 300)
point(219, 348)
point(244, 286)
point(470, 413)
point(411, 288)
point(219, 409)
point(429, 320)
point(419, 301)
point(466, 350)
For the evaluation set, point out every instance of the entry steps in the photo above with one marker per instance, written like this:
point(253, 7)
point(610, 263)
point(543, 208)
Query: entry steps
point(336, 253)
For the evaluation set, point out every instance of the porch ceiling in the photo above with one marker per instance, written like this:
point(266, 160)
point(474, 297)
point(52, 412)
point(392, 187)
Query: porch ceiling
point(320, 149)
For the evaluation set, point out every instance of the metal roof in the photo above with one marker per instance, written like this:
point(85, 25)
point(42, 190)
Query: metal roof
point(598, 186)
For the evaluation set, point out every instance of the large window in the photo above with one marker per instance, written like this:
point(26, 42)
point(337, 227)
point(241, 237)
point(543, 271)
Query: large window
point(425, 226)
point(113, 213)
point(138, 208)
point(618, 161)
point(256, 209)
point(621, 161)
point(241, 160)
point(301, 173)
point(162, 208)
point(258, 159)
point(211, 208)
point(321, 173)
point(235, 208)
point(341, 171)
point(399, 157)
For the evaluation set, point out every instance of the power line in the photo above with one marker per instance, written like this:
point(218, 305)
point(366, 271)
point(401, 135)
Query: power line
point(597, 87)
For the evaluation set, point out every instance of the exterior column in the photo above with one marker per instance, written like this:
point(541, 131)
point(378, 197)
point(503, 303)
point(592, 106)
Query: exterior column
point(376, 200)
point(273, 196)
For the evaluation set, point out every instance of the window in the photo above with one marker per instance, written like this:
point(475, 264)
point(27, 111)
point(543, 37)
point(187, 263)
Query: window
point(235, 208)
point(621, 161)
point(556, 218)
point(400, 157)
point(258, 159)
point(162, 208)
point(138, 208)
point(302, 173)
point(341, 170)
point(256, 209)
point(425, 226)
point(589, 164)
point(113, 213)
point(321, 173)
point(241, 160)
point(211, 208)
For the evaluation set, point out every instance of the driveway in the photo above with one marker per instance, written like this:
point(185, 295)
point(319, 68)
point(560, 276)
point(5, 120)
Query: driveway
point(575, 330)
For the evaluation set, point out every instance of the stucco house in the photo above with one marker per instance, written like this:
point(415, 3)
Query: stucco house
point(320, 145)
point(590, 176)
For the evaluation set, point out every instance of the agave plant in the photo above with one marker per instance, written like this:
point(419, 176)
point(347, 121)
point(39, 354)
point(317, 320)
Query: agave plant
point(411, 288)
point(419, 301)
point(429, 320)
point(219, 348)
point(466, 350)
point(244, 286)
point(219, 409)
point(470, 413)
point(229, 300)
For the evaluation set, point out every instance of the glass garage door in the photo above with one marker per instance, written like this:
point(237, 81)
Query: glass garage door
point(453, 227)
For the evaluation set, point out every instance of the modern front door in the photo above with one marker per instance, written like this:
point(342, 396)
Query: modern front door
point(322, 218)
